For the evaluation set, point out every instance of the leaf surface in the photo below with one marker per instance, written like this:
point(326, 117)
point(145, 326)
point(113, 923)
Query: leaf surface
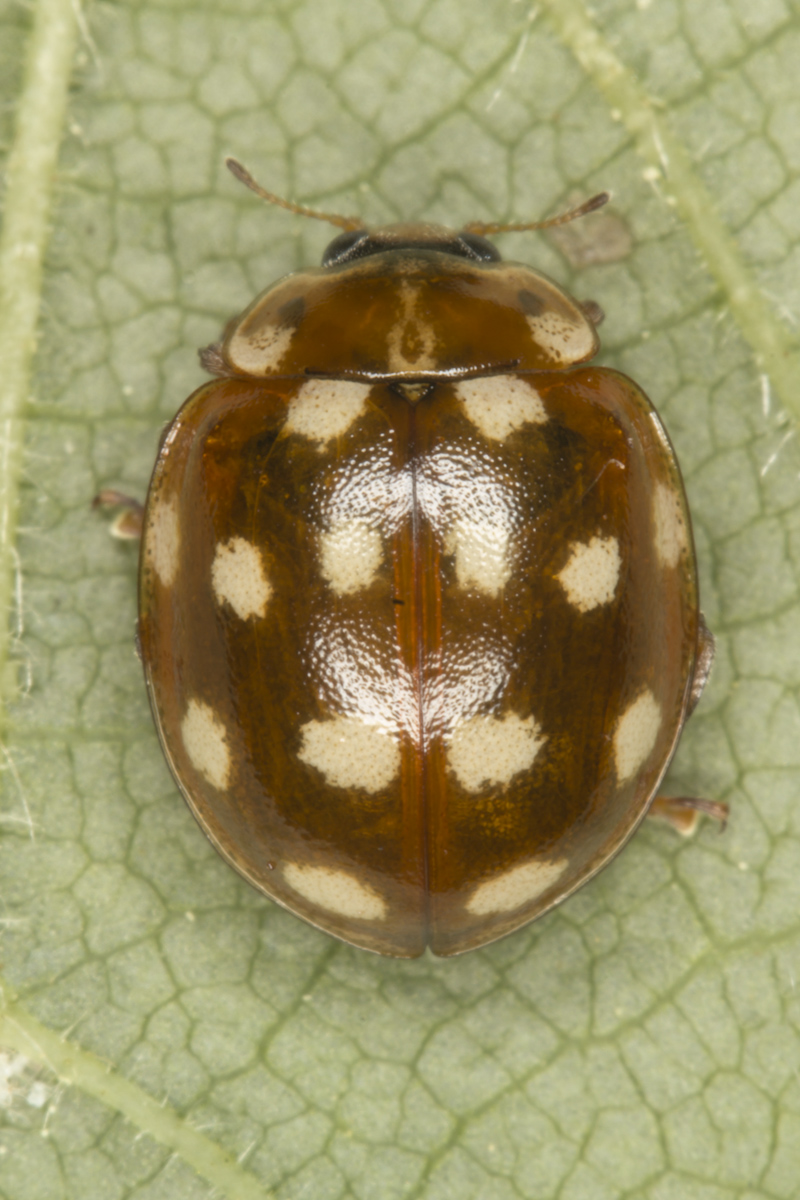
point(165, 1030)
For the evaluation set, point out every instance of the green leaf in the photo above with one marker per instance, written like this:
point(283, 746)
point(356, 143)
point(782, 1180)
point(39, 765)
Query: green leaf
point(165, 1030)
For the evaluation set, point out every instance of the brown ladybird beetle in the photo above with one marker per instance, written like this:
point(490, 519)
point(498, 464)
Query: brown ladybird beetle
point(418, 597)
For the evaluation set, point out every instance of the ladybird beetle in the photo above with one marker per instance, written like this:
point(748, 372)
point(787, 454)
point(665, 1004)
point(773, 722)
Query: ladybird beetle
point(418, 598)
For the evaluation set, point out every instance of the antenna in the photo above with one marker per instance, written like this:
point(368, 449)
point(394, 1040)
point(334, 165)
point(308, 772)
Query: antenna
point(572, 214)
point(244, 176)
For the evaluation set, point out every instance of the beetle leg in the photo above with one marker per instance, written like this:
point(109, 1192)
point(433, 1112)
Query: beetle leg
point(593, 311)
point(683, 813)
point(128, 523)
point(703, 662)
point(213, 361)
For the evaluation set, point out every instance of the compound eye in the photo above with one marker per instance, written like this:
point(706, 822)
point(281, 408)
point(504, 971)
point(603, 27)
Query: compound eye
point(342, 246)
point(479, 247)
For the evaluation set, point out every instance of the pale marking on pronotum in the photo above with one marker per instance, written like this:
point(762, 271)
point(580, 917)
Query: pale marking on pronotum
point(516, 887)
point(410, 343)
point(492, 750)
point(481, 554)
point(260, 352)
point(337, 891)
point(499, 404)
point(591, 575)
point(326, 408)
point(350, 753)
point(671, 536)
point(635, 735)
point(350, 555)
point(206, 743)
point(237, 576)
point(566, 340)
point(163, 540)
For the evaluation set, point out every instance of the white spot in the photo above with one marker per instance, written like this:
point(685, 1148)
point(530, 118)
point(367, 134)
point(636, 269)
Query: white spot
point(591, 575)
point(487, 750)
point(11, 1066)
point(326, 408)
point(260, 351)
point(337, 891)
point(499, 404)
point(206, 743)
point(670, 526)
point(481, 552)
point(38, 1094)
point(635, 736)
point(411, 343)
point(566, 340)
point(237, 575)
point(350, 753)
point(164, 540)
point(350, 555)
point(516, 887)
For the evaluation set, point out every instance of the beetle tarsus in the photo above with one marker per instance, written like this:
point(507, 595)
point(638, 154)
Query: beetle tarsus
point(128, 524)
point(212, 360)
point(706, 646)
point(683, 813)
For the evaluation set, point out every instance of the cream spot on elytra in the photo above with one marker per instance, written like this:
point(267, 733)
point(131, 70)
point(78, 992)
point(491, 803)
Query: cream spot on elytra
point(591, 575)
point(410, 343)
point(163, 540)
point(350, 753)
point(499, 404)
point(492, 750)
point(206, 743)
point(481, 554)
point(337, 891)
point(670, 526)
point(350, 555)
point(516, 887)
point(326, 408)
point(237, 575)
point(566, 340)
point(260, 351)
point(635, 735)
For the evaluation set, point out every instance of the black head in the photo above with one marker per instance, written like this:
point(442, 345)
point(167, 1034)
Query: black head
point(360, 243)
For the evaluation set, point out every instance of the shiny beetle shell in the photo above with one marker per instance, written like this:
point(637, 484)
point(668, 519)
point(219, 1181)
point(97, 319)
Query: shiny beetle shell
point(418, 599)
